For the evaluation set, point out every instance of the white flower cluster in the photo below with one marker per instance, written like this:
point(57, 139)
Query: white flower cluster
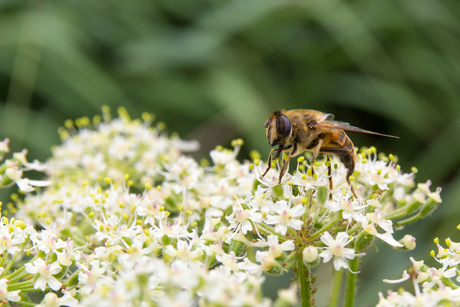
point(11, 170)
point(130, 221)
point(438, 288)
point(117, 148)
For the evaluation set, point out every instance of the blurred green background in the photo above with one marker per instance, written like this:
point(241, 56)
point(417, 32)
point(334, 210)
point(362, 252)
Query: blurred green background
point(215, 70)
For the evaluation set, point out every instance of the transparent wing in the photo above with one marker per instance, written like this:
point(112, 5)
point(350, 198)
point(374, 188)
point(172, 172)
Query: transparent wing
point(348, 127)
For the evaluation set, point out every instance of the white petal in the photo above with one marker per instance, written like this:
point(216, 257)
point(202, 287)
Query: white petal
point(450, 273)
point(342, 237)
point(68, 300)
point(405, 277)
point(288, 245)
point(296, 224)
point(282, 229)
point(30, 268)
point(327, 238)
point(339, 262)
point(40, 283)
point(39, 183)
point(13, 296)
point(54, 284)
point(23, 185)
point(55, 268)
point(298, 210)
point(348, 253)
point(326, 255)
point(388, 238)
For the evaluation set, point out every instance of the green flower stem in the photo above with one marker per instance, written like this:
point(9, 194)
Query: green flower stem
point(11, 262)
point(23, 286)
point(72, 279)
point(403, 211)
point(303, 276)
point(31, 289)
point(407, 221)
point(78, 237)
point(326, 227)
point(449, 283)
point(336, 286)
point(3, 168)
point(289, 262)
point(400, 212)
point(18, 276)
point(22, 303)
point(292, 232)
point(269, 230)
point(354, 228)
point(351, 282)
point(3, 259)
point(308, 205)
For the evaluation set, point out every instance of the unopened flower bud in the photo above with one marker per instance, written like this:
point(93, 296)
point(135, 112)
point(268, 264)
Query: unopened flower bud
point(364, 239)
point(310, 254)
point(408, 241)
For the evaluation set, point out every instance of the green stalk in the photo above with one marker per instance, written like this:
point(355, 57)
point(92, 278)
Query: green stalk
point(12, 260)
point(19, 276)
point(303, 276)
point(23, 285)
point(22, 303)
point(267, 230)
point(328, 225)
point(336, 286)
point(289, 262)
point(308, 206)
point(352, 278)
point(407, 221)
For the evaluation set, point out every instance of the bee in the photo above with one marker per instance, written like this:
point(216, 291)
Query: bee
point(297, 131)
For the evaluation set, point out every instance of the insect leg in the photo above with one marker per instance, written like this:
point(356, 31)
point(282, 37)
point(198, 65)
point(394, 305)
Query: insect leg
point(269, 161)
point(349, 162)
point(315, 155)
point(286, 162)
point(329, 170)
point(278, 153)
point(347, 157)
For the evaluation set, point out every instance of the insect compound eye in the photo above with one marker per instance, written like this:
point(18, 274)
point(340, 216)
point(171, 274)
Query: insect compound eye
point(283, 126)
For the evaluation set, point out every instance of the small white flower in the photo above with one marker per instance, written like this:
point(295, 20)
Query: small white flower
point(277, 249)
point(336, 249)
point(12, 296)
point(244, 219)
point(368, 223)
point(46, 271)
point(351, 210)
point(184, 251)
point(285, 216)
point(266, 260)
point(88, 278)
point(9, 241)
point(222, 157)
point(51, 300)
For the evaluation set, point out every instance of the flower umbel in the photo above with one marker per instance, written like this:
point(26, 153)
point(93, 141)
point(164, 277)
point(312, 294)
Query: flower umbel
point(128, 219)
point(335, 248)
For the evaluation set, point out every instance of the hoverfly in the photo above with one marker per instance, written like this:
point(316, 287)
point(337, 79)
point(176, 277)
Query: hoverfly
point(302, 130)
